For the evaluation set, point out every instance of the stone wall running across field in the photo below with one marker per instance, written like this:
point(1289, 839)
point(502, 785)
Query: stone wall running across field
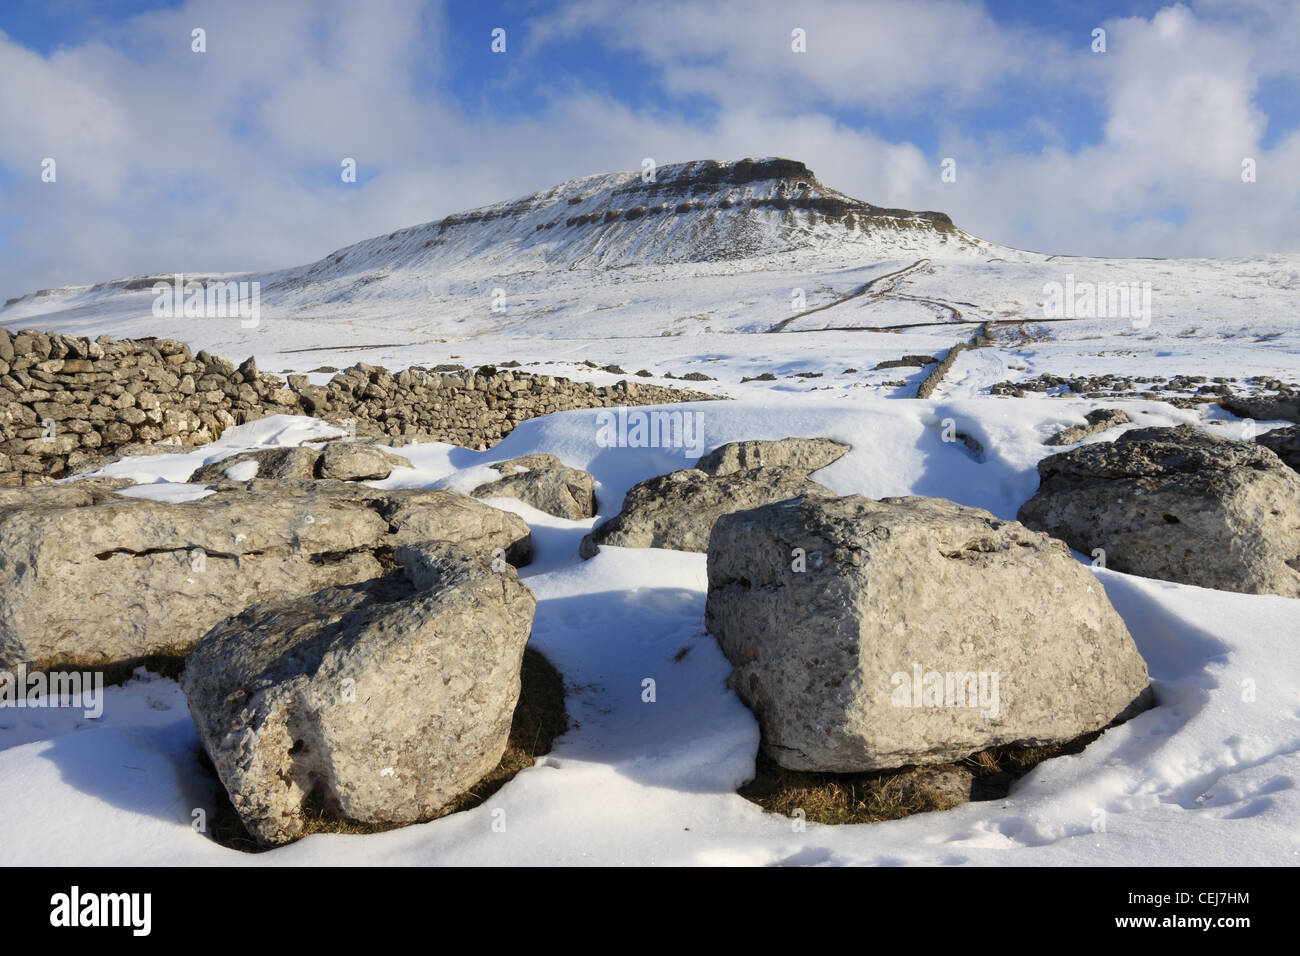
point(68, 404)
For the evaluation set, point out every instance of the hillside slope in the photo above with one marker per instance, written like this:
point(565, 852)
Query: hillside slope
point(713, 216)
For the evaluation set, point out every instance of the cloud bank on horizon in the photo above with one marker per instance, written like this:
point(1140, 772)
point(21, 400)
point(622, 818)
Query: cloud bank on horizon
point(167, 159)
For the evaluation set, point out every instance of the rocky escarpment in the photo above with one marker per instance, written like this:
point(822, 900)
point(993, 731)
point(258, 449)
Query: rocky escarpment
point(68, 403)
point(684, 188)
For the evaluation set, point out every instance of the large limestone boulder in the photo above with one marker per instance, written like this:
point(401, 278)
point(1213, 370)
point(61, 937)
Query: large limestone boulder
point(438, 514)
point(93, 578)
point(381, 701)
point(340, 461)
point(678, 509)
point(546, 483)
point(1285, 443)
point(1177, 504)
point(804, 455)
point(868, 635)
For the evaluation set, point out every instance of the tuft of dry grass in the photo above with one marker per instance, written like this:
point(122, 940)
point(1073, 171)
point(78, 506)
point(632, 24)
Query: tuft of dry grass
point(837, 798)
point(985, 761)
point(166, 662)
point(1018, 761)
point(539, 718)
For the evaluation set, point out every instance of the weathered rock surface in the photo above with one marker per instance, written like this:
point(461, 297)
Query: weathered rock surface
point(358, 461)
point(1097, 421)
point(277, 463)
point(804, 455)
point(382, 702)
point(917, 632)
point(1285, 443)
point(546, 483)
point(1177, 504)
point(1263, 408)
point(92, 578)
point(88, 491)
point(678, 509)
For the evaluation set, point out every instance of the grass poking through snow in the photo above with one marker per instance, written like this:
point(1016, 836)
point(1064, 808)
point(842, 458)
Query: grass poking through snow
point(836, 798)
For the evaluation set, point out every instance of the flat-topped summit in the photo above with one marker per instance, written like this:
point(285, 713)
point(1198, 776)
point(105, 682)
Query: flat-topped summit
point(700, 211)
point(738, 216)
point(695, 186)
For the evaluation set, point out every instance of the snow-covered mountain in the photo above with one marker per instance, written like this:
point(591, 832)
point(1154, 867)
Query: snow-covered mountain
point(685, 265)
point(701, 211)
point(733, 216)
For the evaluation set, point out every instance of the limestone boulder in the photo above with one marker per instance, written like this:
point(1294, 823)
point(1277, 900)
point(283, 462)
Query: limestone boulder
point(677, 510)
point(358, 461)
point(270, 463)
point(93, 578)
point(380, 702)
point(1285, 443)
point(868, 635)
point(1094, 423)
point(546, 483)
point(804, 455)
point(1177, 504)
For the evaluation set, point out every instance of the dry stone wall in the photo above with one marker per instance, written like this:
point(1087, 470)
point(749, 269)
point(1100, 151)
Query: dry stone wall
point(68, 404)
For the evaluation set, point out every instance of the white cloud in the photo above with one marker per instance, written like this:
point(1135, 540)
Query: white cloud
point(229, 161)
point(891, 55)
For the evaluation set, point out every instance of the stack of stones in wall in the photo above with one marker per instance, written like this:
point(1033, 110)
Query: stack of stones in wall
point(67, 403)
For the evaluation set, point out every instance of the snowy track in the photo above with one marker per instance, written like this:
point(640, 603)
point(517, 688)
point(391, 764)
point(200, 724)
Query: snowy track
point(879, 287)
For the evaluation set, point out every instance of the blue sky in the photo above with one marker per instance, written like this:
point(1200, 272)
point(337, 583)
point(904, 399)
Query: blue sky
point(229, 159)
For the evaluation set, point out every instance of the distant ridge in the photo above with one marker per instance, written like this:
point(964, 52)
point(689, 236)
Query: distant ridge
point(734, 215)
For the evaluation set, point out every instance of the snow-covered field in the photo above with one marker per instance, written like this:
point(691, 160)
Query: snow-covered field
point(1210, 775)
point(1230, 318)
